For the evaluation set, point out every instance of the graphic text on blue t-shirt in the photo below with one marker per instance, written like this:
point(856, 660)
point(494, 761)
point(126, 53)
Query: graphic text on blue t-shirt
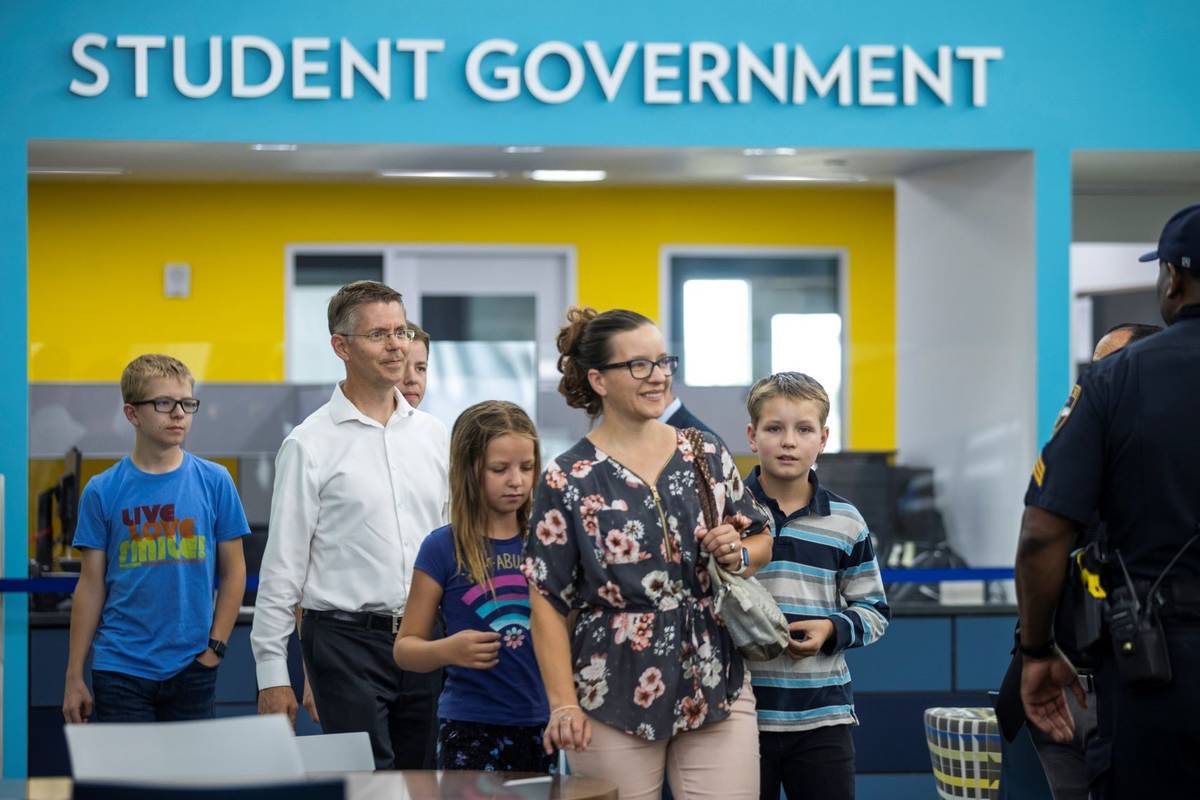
point(157, 537)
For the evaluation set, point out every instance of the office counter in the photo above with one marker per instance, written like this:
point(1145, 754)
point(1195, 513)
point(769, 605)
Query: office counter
point(930, 656)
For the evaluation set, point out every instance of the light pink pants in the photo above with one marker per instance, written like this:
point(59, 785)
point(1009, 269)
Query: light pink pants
point(719, 760)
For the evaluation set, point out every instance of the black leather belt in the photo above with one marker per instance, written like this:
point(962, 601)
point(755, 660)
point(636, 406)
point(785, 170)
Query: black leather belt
point(1175, 599)
point(367, 620)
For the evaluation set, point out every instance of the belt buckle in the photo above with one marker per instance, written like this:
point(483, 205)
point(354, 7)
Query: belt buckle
point(396, 617)
point(1088, 681)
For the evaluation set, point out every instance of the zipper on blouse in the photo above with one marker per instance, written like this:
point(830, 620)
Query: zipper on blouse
point(662, 519)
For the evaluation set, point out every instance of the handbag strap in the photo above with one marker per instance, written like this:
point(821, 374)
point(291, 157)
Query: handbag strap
point(708, 503)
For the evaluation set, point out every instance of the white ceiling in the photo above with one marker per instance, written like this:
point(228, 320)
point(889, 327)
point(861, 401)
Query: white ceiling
point(1140, 172)
point(1094, 172)
point(361, 163)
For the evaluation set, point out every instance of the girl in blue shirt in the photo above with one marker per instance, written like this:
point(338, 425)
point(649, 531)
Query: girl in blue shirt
point(492, 710)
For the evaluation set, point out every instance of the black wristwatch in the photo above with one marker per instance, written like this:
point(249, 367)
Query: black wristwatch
point(218, 647)
point(1047, 649)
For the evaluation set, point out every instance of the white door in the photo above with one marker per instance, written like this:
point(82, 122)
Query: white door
point(493, 314)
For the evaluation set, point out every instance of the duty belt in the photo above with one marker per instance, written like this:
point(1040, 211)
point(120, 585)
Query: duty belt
point(1175, 599)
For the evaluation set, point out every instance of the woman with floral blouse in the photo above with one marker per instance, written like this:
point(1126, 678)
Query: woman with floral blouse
point(648, 679)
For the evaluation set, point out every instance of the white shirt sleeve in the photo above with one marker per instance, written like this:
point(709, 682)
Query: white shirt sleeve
point(446, 472)
point(294, 509)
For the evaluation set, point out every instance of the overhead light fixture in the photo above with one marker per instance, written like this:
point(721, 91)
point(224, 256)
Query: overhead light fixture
point(806, 178)
point(567, 175)
point(522, 149)
point(440, 174)
point(275, 148)
point(77, 170)
point(769, 151)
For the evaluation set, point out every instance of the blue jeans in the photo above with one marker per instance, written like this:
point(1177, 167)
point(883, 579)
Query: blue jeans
point(188, 694)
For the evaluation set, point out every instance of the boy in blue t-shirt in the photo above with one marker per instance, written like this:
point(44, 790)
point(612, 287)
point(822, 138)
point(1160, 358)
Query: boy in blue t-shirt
point(153, 529)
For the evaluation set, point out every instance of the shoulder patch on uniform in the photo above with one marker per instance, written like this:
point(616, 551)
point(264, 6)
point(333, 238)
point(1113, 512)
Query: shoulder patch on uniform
point(1039, 472)
point(1067, 408)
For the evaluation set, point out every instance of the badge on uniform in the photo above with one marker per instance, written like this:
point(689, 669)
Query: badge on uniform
point(1039, 469)
point(1068, 407)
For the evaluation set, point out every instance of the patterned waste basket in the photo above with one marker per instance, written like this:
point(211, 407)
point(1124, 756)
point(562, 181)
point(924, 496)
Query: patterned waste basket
point(964, 746)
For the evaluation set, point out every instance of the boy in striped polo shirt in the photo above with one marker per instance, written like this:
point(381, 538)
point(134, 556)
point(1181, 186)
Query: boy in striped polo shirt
point(825, 578)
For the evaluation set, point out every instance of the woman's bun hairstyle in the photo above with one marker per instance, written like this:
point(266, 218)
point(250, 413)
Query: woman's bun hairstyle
point(583, 344)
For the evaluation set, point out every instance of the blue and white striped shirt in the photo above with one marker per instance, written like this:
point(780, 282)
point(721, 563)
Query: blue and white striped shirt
point(822, 567)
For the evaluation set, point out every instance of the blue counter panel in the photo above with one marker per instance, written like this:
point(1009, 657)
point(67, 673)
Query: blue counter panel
point(48, 666)
point(891, 735)
point(894, 787)
point(913, 656)
point(236, 680)
point(982, 650)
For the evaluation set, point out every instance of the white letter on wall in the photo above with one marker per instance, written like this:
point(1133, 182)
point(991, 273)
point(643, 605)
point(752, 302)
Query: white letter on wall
point(179, 68)
point(533, 79)
point(79, 53)
point(938, 82)
point(713, 77)
point(302, 68)
point(979, 56)
point(869, 75)
point(237, 58)
point(804, 73)
point(511, 76)
point(379, 76)
point(610, 80)
point(420, 48)
point(775, 78)
point(653, 72)
point(141, 46)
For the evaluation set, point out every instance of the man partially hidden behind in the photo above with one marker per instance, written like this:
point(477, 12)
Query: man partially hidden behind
point(677, 415)
point(358, 485)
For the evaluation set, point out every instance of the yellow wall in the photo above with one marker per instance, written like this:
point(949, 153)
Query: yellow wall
point(96, 255)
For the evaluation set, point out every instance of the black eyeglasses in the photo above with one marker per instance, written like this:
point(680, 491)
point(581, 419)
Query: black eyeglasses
point(379, 336)
point(641, 368)
point(166, 405)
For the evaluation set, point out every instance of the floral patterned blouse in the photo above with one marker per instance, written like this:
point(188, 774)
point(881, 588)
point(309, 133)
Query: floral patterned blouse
point(649, 656)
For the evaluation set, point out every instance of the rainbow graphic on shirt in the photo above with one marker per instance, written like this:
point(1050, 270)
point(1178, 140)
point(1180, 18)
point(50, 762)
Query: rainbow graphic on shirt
point(507, 612)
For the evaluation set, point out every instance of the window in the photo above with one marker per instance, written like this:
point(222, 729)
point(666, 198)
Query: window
point(316, 277)
point(483, 348)
point(717, 326)
point(736, 316)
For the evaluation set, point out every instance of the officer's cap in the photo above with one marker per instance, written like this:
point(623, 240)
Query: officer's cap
point(1179, 243)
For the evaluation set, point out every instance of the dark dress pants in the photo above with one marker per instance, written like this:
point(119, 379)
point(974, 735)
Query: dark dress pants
point(817, 763)
point(358, 687)
point(1148, 744)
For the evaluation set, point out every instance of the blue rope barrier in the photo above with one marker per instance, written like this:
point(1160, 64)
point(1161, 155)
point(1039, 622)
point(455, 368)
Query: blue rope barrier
point(947, 574)
point(65, 585)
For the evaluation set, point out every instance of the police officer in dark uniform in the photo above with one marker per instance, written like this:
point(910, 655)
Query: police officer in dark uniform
point(1127, 445)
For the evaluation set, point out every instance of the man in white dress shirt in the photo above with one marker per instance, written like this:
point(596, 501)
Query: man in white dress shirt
point(358, 486)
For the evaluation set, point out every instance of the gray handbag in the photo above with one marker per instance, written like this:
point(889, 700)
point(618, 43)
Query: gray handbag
point(749, 612)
